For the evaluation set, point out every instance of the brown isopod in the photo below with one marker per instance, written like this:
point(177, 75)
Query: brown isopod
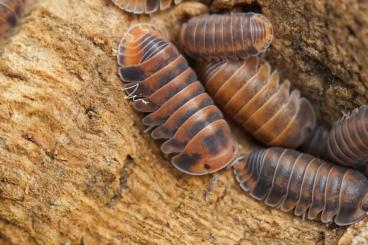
point(293, 181)
point(254, 97)
point(232, 36)
point(348, 140)
point(144, 6)
point(196, 137)
point(10, 12)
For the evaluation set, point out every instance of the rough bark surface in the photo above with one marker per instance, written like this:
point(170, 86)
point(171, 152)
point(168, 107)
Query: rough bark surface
point(76, 166)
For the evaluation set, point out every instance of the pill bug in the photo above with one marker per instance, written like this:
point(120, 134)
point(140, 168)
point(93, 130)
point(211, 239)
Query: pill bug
point(254, 97)
point(196, 137)
point(10, 12)
point(310, 187)
point(232, 36)
point(348, 140)
point(144, 6)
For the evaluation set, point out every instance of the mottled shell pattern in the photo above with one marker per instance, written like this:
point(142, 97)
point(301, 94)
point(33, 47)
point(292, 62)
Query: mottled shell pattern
point(196, 137)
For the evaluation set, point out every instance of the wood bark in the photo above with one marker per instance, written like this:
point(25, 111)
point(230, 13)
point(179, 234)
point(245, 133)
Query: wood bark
point(76, 166)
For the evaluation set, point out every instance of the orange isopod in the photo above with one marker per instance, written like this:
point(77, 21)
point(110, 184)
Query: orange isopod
point(254, 97)
point(157, 77)
point(232, 36)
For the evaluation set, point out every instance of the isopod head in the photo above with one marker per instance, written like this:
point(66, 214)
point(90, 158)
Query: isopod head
point(262, 32)
point(354, 200)
point(132, 37)
point(364, 204)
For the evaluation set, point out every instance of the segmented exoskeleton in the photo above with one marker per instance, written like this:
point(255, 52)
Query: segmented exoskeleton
point(158, 78)
point(348, 140)
point(144, 6)
point(233, 36)
point(254, 97)
point(310, 187)
point(10, 12)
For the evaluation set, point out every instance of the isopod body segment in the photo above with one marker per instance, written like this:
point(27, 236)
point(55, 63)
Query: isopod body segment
point(232, 36)
point(348, 140)
point(312, 188)
point(254, 97)
point(196, 137)
point(10, 12)
point(144, 6)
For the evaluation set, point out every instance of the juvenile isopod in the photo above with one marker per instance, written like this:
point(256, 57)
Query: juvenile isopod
point(10, 12)
point(254, 97)
point(348, 140)
point(196, 137)
point(301, 183)
point(144, 6)
point(233, 36)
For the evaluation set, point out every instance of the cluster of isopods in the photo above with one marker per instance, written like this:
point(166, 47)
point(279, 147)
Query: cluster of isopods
point(187, 115)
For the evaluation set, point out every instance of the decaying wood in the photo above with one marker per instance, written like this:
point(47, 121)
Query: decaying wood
point(76, 166)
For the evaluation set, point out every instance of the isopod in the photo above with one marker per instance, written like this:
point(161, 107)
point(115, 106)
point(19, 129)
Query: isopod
point(254, 98)
point(232, 36)
point(144, 6)
point(197, 138)
point(10, 12)
point(348, 140)
point(299, 182)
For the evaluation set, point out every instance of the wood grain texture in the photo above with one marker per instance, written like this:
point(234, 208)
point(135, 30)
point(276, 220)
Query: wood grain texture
point(76, 166)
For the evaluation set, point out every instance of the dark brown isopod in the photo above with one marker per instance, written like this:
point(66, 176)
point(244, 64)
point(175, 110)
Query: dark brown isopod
point(158, 78)
point(312, 188)
point(348, 140)
point(10, 12)
point(233, 36)
point(144, 6)
point(254, 97)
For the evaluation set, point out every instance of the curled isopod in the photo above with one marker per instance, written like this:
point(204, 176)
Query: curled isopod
point(233, 36)
point(348, 140)
point(144, 6)
point(10, 12)
point(196, 137)
point(312, 188)
point(254, 97)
